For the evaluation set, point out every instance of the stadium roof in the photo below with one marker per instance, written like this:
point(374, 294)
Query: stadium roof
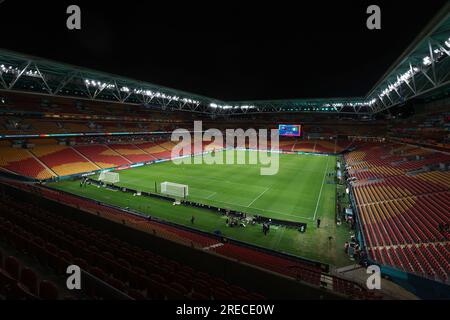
point(21, 72)
point(422, 68)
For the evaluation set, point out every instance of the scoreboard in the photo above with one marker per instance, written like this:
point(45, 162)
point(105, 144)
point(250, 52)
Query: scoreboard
point(290, 130)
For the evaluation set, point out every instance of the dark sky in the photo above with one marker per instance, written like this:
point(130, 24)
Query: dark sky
point(224, 49)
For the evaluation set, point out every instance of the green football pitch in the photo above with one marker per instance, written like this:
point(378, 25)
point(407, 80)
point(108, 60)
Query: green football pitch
point(301, 191)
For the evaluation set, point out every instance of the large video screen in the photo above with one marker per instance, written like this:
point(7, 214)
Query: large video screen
point(290, 130)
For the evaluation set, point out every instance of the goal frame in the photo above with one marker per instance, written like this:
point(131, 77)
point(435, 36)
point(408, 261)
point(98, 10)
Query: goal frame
point(104, 174)
point(181, 195)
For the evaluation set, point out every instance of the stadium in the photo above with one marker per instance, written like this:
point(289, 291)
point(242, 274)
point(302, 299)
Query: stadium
point(155, 193)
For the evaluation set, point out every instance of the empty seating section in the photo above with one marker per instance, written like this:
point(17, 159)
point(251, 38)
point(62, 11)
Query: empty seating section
point(155, 150)
point(57, 242)
point(342, 145)
point(209, 146)
point(301, 271)
point(163, 231)
point(437, 178)
point(306, 272)
point(47, 158)
point(22, 162)
point(45, 126)
point(403, 216)
point(373, 161)
point(293, 268)
point(168, 145)
point(315, 145)
point(381, 190)
point(131, 152)
point(17, 280)
point(323, 146)
point(76, 127)
point(286, 145)
point(63, 160)
point(38, 126)
point(427, 129)
point(102, 156)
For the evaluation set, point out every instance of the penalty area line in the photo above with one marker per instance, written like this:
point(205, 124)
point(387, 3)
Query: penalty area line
point(260, 195)
point(243, 206)
point(211, 195)
point(320, 193)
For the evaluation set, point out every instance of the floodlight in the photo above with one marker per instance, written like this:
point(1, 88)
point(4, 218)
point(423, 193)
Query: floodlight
point(427, 61)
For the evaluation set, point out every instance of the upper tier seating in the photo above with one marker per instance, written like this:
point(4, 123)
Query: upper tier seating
point(428, 129)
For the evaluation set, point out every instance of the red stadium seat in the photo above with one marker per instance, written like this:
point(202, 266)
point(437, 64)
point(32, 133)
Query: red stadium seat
point(12, 267)
point(29, 280)
point(48, 290)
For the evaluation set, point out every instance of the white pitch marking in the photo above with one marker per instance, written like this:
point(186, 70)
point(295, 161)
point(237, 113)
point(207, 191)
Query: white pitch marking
point(217, 245)
point(320, 193)
point(211, 195)
point(261, 209)
point(267, 189)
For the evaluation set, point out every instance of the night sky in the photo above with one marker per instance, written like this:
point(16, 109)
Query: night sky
point(224, 50)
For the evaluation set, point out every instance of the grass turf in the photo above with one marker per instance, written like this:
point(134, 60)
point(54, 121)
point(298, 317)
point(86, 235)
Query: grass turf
point(298, 192)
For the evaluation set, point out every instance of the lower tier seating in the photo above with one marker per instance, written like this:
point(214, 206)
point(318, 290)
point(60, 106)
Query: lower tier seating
point(22, 162)
point(140, 274)
point(63, 160)
point(102, 156)
point(404, 218)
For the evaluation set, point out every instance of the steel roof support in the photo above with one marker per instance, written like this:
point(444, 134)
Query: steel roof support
point(46, 86)
point(66, 79)
point(17, 77)
point(433, 68)
point(2, 81)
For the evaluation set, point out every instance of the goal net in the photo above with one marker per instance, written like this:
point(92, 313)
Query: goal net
point(175, 189)
point(109, 177)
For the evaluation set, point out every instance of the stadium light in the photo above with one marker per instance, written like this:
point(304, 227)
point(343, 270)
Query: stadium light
point(437, 55)
point(149, 93)
point(228, 107)
point(31, 73)
point(426, 61)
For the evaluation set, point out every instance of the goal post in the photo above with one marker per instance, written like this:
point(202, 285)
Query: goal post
point(109, 177)
point(175, 189)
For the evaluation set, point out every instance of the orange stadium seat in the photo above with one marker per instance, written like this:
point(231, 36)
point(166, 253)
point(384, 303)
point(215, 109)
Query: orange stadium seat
point(131, 152)
point(401, 214)
point(63, 160)
point(102, 155)
point(22, 162)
